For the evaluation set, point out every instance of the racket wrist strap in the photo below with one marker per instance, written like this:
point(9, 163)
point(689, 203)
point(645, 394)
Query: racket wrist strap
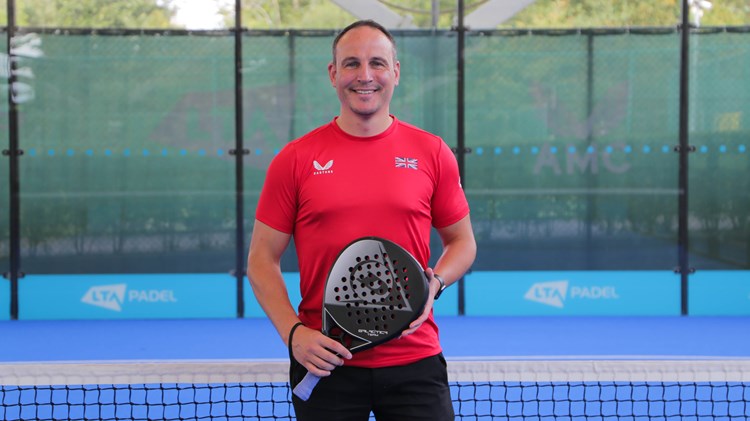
point(289, 339)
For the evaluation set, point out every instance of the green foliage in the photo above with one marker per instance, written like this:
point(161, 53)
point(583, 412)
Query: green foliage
point(596, 13)
point(324, 14)
point(275, 14)
point(94, 13)
point(623, 13)
point(727, 13)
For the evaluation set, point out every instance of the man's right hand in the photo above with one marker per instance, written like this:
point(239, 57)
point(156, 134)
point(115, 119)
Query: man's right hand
point(318, 353)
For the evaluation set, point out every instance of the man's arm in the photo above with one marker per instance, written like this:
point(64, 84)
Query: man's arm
point(264, 271)
point(459, 251)
point(310, 348)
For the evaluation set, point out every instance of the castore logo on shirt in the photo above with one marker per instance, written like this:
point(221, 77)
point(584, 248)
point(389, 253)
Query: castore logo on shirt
point(323, 169)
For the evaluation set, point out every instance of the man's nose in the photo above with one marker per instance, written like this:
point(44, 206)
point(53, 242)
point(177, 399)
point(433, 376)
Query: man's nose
point(365, 74)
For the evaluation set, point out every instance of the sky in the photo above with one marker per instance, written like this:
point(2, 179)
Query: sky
point(199, 14)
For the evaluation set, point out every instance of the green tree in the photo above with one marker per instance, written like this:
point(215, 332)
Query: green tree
point(324, 14)
point(92, 13)
point(623, 13)
point(286, 14)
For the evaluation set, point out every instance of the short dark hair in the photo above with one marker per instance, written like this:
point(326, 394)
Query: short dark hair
point(364, 22)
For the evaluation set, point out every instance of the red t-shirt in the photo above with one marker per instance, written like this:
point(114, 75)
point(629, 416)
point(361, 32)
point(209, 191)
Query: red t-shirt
point(329, 188)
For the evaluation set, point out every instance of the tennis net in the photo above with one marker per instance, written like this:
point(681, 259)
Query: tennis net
point(526, 389)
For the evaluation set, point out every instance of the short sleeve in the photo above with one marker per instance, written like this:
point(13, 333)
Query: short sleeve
point(277, 205)
point(449, 204)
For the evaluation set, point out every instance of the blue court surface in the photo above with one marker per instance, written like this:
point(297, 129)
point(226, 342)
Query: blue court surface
point(473, 337)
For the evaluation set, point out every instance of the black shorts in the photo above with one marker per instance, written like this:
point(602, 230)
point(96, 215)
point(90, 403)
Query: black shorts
point(417, 391)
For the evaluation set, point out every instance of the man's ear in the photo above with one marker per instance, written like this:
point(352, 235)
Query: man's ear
point(332, 73)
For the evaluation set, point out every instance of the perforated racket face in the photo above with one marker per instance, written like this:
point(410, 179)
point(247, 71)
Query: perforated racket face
point(373, 292)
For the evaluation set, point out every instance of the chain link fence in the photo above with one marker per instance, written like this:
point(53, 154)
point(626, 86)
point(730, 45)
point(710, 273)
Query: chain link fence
point(128, 139)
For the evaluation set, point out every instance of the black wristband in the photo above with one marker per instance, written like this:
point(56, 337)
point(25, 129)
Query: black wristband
point(289, 340)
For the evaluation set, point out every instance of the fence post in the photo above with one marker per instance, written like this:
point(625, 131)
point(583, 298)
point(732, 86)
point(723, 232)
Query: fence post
point(13, 153)
point(683, 149)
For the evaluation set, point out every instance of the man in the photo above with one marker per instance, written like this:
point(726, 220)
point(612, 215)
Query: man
point(341, 182)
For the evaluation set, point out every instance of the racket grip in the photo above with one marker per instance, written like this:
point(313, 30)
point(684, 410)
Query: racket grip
point(306, 386)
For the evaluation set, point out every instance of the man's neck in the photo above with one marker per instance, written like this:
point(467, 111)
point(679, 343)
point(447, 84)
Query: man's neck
point(364, 127)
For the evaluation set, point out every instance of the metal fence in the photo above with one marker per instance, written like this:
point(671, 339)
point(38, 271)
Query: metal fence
point(567, 142)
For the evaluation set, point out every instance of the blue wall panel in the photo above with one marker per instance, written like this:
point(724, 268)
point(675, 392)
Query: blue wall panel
point(142, 296)
point(719, 293)
point(4, 299)
point(606, 293)
point(490, 293)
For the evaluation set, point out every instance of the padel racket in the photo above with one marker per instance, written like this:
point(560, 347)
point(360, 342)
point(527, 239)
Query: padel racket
point(374, 290)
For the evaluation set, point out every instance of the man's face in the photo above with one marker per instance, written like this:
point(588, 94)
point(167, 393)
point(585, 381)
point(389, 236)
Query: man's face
point(365, 73)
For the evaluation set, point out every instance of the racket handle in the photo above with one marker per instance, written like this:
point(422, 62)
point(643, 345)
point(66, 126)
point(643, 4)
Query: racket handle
point(306, 386)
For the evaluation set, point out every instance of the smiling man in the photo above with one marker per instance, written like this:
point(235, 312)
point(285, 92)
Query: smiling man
point(364, 72)
point(365, 173)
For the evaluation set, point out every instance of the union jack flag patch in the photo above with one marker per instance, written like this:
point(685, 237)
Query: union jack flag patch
point(408, 163)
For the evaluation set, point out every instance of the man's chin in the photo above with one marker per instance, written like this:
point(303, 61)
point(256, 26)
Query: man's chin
point(365, 112)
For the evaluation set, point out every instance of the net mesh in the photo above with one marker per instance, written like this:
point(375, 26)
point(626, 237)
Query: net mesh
point(481, 390)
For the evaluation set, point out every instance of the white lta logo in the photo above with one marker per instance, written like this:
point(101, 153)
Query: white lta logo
point(550, 293)
point(323, 169)
point(110, 297)
point(554, 293)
